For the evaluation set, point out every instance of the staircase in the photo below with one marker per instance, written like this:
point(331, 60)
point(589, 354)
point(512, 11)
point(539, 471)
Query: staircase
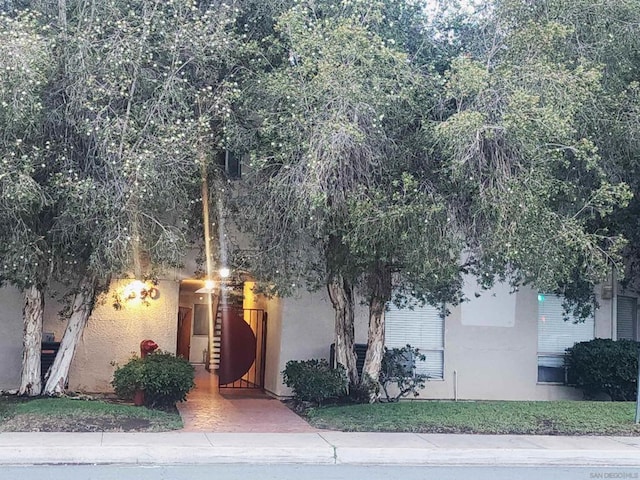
point(234, 298)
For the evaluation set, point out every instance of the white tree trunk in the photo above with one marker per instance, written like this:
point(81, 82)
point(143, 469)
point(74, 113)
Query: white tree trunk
point(380, 292)
point(341, 297)
point(375, 346)
point(81, 309)
point(31, 384)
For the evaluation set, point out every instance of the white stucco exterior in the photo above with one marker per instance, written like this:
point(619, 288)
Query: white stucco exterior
point(10, 337)
point(497, 358)
point(490, 345)
point(113, 336)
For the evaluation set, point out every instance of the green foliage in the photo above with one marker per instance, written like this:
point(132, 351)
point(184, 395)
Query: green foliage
point(336, 117)
point(531, 188)
point(164, 378)
point(604, 366)
point(129, 378)
point(104, 122)
point(314, 380)
point(399, 369)
point(27, 52)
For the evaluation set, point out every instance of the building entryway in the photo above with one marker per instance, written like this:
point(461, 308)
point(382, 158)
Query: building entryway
point(223, 331)
point(209, 409)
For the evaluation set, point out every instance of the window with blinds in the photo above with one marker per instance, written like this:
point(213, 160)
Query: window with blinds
point(626, 318)
point(420, 327)
point(555, 335)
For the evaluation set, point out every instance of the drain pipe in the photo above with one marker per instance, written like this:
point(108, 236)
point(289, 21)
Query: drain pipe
point(455, 385)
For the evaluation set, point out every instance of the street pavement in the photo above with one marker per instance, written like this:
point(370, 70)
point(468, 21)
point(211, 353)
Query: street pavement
point(310, 472)
point(319, 448)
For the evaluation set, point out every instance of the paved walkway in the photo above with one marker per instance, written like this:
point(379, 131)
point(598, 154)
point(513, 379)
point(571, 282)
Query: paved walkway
point(236, 410)
point(172, 448)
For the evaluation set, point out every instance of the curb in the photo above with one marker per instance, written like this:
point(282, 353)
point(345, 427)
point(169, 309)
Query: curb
point(326, 448)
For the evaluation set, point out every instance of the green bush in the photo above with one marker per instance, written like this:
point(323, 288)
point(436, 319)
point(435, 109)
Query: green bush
point(129, 378)
point(398, 367)
point(604, 366)
point(314, 380)
point(164, 378)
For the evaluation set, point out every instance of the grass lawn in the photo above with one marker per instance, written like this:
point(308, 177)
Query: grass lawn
point(542, 418)
point(75, 415)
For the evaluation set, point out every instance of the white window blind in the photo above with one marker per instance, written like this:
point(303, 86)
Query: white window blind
point(626, 317)
point(555, 334)
point(420, 327)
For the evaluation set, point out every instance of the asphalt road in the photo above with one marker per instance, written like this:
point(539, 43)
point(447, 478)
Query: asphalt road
point(309, 472)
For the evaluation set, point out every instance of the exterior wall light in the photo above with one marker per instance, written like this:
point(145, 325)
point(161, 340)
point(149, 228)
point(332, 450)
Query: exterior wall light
point(141, 290)
point(224, 272)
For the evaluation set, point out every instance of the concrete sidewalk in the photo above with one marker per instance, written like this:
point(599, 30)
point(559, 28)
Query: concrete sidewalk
point(316, 448)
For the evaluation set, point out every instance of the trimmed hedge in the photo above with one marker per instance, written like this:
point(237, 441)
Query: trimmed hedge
point(314, 380)
point(604, 366)
point(164, 378)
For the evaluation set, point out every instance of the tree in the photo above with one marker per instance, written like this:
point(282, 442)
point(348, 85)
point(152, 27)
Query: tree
point(329, 113)
point(25, 204)
point(142, 88)
point(605, 35)
point(102, 148)
point(360, 177)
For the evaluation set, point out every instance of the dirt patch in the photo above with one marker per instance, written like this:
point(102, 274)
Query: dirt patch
point(36, 423)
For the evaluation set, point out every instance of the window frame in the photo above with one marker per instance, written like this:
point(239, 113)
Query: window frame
point(634, 322)
point(423, 350)
point(200, 307)
point(559, 355)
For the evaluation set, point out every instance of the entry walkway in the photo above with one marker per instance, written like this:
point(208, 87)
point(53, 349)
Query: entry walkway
point(236, 410)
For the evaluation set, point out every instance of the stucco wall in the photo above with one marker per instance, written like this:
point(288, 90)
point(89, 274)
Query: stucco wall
point(113, 336)
point(308, 328)
point(491, 350)
point(10, 337)
point(272, 378)
point(500, 362)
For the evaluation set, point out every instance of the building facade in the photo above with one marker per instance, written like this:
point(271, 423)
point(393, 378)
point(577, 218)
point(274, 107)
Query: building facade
point(498, 345)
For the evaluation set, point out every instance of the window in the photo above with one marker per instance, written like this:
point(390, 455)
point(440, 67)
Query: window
point(423, 328)
point(231, 163)
point(555, 335)
point(627, 318)
point(200, 319)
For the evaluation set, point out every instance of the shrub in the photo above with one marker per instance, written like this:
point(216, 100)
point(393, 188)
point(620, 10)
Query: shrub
point(164, 378)
point(604, 366)
point(399, 368)
point(314, 380)
point(128, 378)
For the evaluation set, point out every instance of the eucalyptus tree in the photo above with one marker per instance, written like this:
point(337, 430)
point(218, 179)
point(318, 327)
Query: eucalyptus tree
point(25, 205)
point(332, 112)
point(510, 185)
point(378, 168)
point(111, 112)
point(144, 88)
point(605, 34)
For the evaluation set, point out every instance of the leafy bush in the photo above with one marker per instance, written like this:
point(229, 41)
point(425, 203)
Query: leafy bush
point(128, 378)
point(604, 366)
point(314, 380)
point(164, 378)
point(399, 368)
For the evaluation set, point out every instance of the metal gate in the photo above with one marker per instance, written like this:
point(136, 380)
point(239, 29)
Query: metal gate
point(243, 341)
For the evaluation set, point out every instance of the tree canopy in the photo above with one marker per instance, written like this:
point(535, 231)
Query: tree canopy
point(391, 150)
